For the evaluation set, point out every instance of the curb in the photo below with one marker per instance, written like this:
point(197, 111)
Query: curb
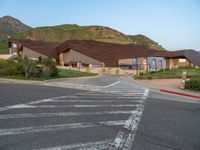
point(181, 94)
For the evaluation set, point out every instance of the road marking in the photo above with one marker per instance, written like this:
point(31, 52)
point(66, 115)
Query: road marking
point(26, 130)
point(91, 101)
point(99, 145)
point(111, 84)
point(25, 106)
point(61, 114)
point(31, 103)
point(125, 139)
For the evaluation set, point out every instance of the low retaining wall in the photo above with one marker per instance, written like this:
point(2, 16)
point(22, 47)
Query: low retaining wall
point(5, 56)
point(105, 70)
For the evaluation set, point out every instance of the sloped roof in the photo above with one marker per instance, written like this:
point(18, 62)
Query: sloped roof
point(192, 55)
point(46, 48)
point(109, 53)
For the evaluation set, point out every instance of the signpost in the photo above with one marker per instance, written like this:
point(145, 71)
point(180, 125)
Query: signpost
point(184, 77)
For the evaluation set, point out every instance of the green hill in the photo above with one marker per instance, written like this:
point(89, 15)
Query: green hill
point(145, 41)
point(75, 32)
point(99, 33)
point(9, 26)
point(65, 32)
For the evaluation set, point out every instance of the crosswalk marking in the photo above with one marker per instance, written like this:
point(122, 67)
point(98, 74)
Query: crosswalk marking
point(126, 100)
point(99, 145)
point(71, 106)
point(124, 140)
point(25, 130)
point(61, 114)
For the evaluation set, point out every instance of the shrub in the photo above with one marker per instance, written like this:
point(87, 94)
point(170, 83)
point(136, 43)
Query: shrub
point(186, 67)
point(152, 72)
point(193, 84)
point(149, 77)
point(49, 68)
point(10, 68)
point(141, 73)
point(28, 66)
point(37, 72)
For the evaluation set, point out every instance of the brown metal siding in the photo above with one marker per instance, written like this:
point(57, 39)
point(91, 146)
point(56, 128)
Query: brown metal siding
point(31, 53)
point(74, 56)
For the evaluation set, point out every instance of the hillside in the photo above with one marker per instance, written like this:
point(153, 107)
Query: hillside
point(9, 26)
point(65, 32)
point(145, 41)
point(99, 33)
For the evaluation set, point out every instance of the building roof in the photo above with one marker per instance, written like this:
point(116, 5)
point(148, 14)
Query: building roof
point(192, 55)
point(109, 53)
point(46, 48)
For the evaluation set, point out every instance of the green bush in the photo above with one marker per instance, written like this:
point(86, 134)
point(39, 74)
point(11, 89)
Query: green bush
point(49, 68)
point(193, 84)
point(186, 67)
point(141, 73)
point(149, 78)
point(11, 68)
point(29, 67)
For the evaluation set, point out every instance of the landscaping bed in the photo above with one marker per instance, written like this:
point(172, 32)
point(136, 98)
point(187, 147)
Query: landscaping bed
point(36, 70)
point(193, 75)
point(167, 73)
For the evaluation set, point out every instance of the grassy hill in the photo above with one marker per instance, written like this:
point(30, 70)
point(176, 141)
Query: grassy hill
point(65, 32)
point(9, 26)
point(75, 32)
point(145, 41)
point(99, 33)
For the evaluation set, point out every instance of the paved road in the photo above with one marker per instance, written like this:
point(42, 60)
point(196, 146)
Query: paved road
point(112, 116)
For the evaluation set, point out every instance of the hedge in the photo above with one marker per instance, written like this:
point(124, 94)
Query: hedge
point(193, 84)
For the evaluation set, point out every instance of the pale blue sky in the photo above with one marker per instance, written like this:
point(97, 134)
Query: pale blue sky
point(175, 24)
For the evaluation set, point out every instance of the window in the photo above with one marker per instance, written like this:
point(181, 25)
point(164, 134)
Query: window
point(182, 60)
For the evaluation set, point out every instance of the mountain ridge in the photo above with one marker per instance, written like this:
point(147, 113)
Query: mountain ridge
point(10, 26)
point(61, 33)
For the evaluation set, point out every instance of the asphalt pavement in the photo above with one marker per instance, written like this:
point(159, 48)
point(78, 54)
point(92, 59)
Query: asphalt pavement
point(113, 114)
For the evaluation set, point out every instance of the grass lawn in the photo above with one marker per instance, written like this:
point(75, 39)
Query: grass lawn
point(175, 73)
point(63, 73)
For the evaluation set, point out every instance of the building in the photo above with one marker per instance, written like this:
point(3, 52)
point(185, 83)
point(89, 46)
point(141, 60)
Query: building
point(32, 49)
point(94, 54)
point(130, 56)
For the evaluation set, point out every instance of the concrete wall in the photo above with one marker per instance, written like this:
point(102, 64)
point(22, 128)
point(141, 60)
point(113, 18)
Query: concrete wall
point(5, 56)
point(31, 54)
point(103, 70)
point(72, 56)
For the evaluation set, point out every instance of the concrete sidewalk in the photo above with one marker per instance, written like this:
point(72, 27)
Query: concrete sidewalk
point(170, 86)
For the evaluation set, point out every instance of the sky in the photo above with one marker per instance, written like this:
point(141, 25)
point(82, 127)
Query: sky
point(175, 24)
